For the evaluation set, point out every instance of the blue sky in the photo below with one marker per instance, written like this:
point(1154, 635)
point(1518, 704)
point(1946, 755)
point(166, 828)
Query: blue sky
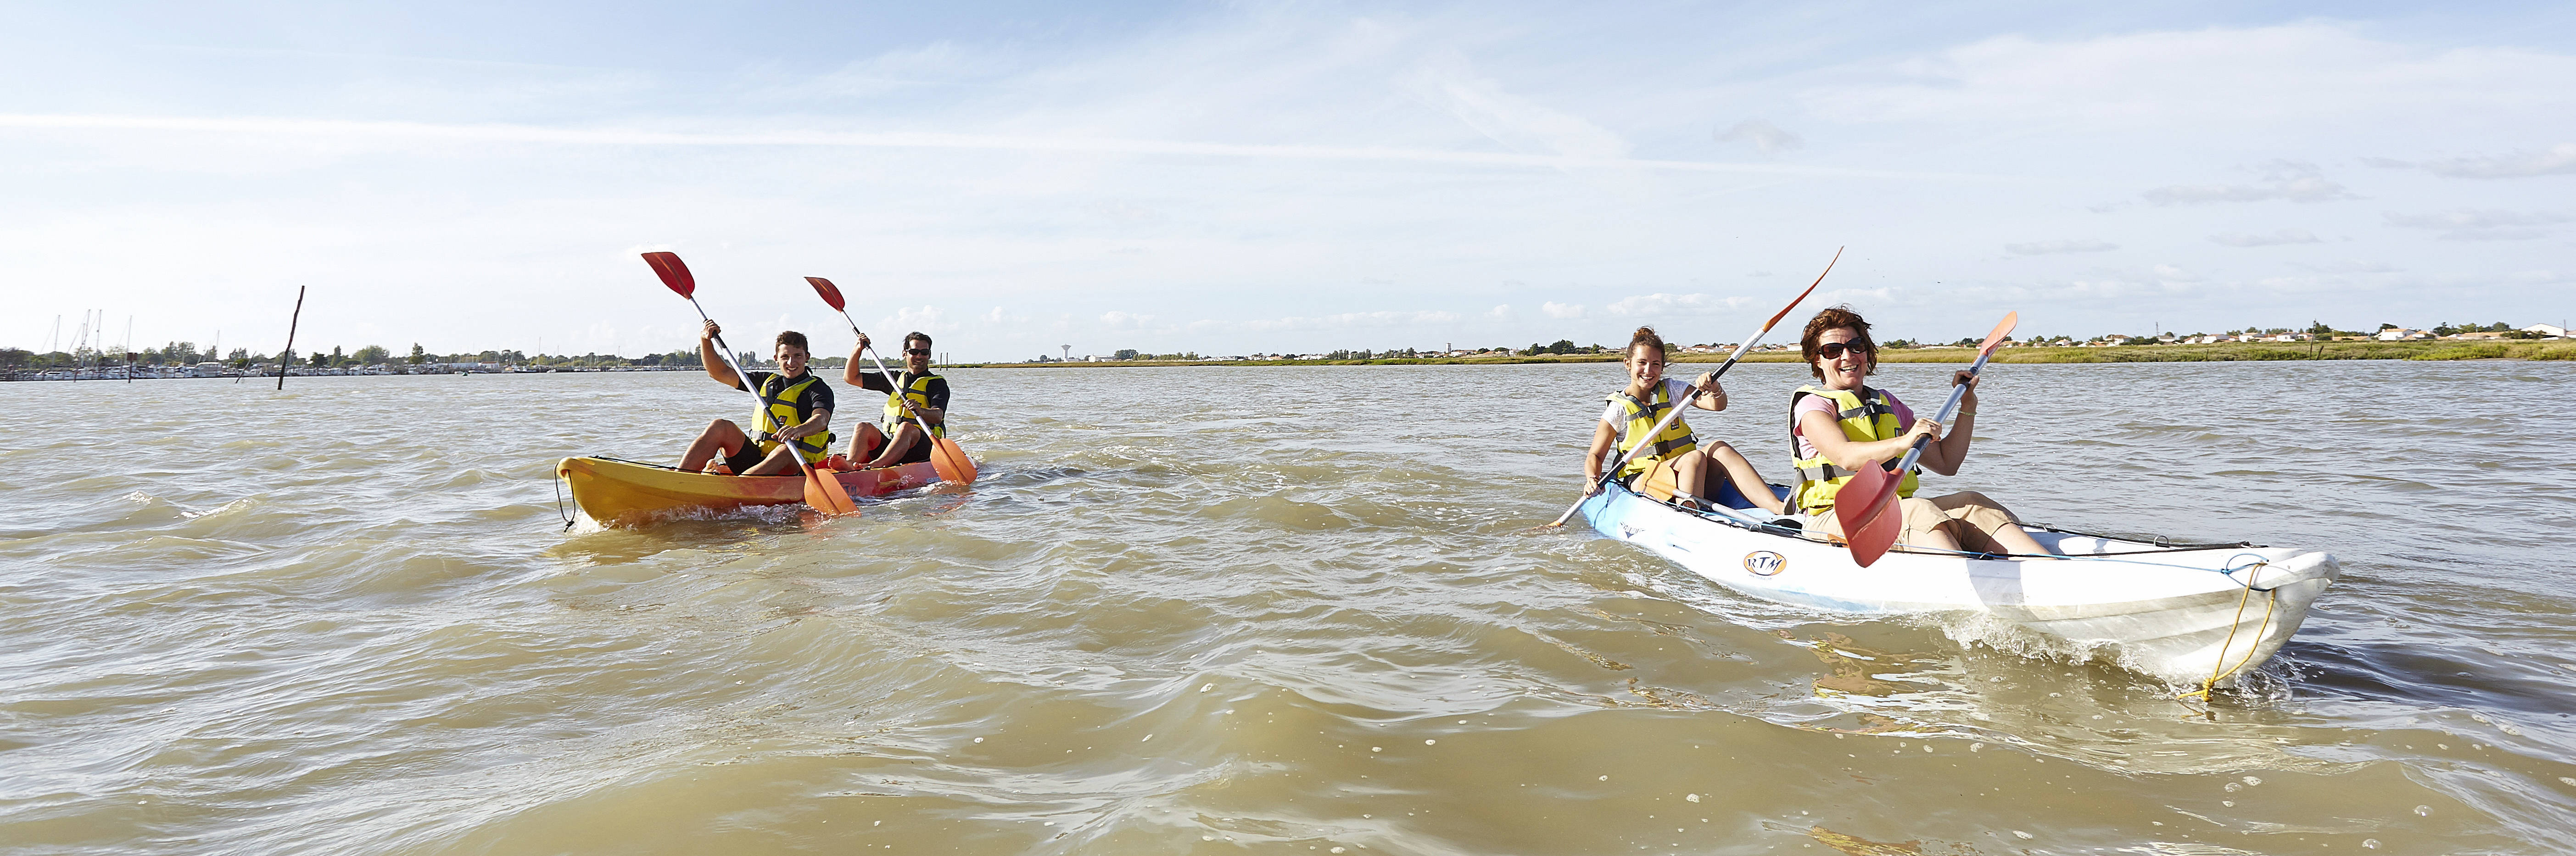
point(1249, 177)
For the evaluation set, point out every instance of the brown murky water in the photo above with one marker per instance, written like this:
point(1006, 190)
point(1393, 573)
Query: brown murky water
point(1234, 610)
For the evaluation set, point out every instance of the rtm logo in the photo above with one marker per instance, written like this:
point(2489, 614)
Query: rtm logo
point(1763, 563)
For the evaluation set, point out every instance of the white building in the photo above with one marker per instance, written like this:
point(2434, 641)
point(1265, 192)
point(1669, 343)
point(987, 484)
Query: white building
point(2550, 330)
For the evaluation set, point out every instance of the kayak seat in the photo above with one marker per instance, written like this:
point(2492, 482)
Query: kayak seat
point(1728, 496)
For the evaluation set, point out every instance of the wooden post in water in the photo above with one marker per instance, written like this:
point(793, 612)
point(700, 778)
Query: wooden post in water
point(291, 320)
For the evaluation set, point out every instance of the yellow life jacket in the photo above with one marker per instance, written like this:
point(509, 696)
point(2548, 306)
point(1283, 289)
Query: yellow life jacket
point(1642, 416)
point(778, 410)
point(1875, 419)
point(916, 391)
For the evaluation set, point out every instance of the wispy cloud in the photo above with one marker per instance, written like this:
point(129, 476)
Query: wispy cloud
point(1562, 310)
point(2293, 181)
point(505, 133)
point(2043, 248)
point(1769, 138)
point(1658, 304)
point(1354, 320)
point(2284, 236)
point(2555, 160)
point(2481, 225)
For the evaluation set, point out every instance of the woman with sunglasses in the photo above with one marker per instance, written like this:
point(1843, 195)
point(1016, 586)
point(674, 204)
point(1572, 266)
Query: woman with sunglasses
point(1844, 424)
point(1674, 468)
point(915, 390)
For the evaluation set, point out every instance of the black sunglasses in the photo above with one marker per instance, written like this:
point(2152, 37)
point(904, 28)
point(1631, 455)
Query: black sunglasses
point(918, 352)
point(1834, 350)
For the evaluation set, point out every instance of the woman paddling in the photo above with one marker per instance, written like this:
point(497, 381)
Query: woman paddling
point(1675, 469)
point(1844, 424)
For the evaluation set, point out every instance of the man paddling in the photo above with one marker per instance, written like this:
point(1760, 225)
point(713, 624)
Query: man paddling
point(795, 414)
point(914, 391)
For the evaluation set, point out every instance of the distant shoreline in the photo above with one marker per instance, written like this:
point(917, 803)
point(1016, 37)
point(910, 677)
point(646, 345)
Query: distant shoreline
point(2234, 352)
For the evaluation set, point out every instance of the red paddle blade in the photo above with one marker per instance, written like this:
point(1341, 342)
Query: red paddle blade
point(824, 287)
point(1878, 535)
point(673, 273)
point(951, 462)
point(1996, 338)
point(1861, 505)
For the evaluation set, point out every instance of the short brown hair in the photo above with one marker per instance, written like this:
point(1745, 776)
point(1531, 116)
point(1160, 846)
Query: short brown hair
point(1836, 317)
point(791, 337)
point(916, 334)
point(1644, 336)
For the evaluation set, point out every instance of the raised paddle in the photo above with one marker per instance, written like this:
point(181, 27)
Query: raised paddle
point(1871, 524)
point(825, 494)
point(1676, 413)
point(947, 457)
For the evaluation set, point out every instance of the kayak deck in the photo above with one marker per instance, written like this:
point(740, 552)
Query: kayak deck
point(625, 493)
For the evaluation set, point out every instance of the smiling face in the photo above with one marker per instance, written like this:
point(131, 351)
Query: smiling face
point(916, 356)
point(1847, 369)
point(1645, 366)
point(791, 360)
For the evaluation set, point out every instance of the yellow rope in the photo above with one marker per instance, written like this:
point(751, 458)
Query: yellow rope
point(2216, 673)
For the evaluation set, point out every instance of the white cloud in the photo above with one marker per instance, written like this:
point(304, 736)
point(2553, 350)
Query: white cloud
point(2284, 236)
point(2555, 160)
point(2481, 225)
point(1124, 320)
point(1447, 81)
point(1354, 320)
point(1769, 138)
point(1562, 310)
point(927, 319)
point(1499, 313)
point(2287, 180)
point(1659, 304)
point(2042, 248)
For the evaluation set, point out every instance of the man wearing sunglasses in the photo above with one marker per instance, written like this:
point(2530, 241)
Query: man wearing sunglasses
point(915, 391)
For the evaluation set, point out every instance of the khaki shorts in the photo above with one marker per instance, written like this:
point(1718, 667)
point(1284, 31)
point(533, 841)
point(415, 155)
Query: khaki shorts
point(1972, 525)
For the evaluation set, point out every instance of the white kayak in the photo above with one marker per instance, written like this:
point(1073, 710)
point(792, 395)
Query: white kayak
point(2180, 612)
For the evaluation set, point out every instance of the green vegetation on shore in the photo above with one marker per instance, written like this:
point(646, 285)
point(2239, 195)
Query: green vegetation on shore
point(2232, 352)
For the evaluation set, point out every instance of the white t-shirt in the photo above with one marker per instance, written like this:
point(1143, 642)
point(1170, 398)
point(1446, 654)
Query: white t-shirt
point(1617, 414)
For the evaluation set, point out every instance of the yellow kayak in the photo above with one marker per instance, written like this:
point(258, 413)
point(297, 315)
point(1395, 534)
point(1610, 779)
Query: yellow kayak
point(623, 493)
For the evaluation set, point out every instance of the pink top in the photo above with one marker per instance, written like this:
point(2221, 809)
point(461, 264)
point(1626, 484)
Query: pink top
point(1821, 404)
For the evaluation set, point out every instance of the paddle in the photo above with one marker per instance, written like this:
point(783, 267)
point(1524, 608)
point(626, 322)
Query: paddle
point(1676, 413)
point(1871, 524)
point(828, 495)
point(948, 458)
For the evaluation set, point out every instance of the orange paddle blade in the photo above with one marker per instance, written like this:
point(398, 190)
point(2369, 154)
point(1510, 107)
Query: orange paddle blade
point(951, 462)
point(673, 273)
point(1866, 508)
point(827, 494)
point(1996, 338)
point(831, 294)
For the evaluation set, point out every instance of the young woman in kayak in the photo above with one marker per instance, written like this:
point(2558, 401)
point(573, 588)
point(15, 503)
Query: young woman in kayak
point(1675, 468)
point(1844, 424)
point(795, 415)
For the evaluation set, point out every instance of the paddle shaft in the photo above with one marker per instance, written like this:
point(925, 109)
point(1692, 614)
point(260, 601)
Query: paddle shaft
point(725, 352)
point(917, 418)
point(1957, 391)
point(1731, 359)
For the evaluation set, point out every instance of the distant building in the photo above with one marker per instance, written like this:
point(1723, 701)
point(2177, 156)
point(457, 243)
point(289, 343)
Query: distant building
point(2550, 330)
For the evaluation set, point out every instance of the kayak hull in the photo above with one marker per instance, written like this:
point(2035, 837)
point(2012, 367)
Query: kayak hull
point(624, 494)
point(2181, 615)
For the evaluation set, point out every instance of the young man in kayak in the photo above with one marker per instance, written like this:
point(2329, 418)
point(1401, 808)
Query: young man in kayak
point(795, 415)
point(899, 440)
point(1836, 428)
point(1675, 468)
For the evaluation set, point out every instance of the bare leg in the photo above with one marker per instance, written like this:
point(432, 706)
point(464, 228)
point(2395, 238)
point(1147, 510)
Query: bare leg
point(1732, 465)
point(1690, 476)
point(864, 443)
point(722, 437)
point(904, 439)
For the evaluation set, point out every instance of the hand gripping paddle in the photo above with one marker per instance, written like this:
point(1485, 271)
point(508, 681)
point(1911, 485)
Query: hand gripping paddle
point(824, 493)
point(946, 456)
point(1866, 505)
